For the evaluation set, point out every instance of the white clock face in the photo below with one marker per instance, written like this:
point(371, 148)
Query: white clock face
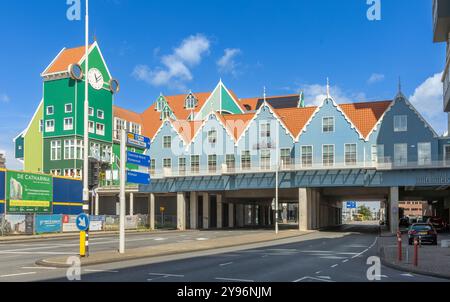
point(96, 79)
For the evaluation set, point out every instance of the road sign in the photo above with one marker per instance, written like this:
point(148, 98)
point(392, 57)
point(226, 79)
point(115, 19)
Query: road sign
point(138, 141)
point(138, 159)
point(138, 178)
point(351, 204)
point(83, 222)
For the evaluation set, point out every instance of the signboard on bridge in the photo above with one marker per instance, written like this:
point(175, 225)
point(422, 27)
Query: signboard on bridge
point(351, 204)
point(28, 193)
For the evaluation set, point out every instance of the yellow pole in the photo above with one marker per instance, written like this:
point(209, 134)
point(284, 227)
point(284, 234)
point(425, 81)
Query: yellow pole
point(82, 244)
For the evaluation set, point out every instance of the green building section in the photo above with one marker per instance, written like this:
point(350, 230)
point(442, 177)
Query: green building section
point(220, 100)
point(33, 143)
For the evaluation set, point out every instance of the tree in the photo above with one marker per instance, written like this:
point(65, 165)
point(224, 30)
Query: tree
point(365, 212)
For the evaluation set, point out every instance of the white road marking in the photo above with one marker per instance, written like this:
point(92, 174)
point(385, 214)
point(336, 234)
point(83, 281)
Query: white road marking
point(328, 252)
point(333, 266)
point(318, 272)
point(99, 271)
point(345, 261)
point(366, 250)
point(39, 267)
point(36, 253)
point(160, 239)
point(167, 275)
point(16, 275)
point(233, 280)
point(332, 257)
point(311, 278)
point(324, 277)
point(202, 239)
point(408, 275)
point(226, 264)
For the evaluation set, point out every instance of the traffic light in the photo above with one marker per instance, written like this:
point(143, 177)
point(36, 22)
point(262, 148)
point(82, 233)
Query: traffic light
point(94, 174)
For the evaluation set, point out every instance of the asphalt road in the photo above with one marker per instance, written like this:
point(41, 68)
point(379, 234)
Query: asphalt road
point(338, 255)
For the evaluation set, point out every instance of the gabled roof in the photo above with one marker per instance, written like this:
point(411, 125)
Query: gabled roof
point(277, 102)
point(66, 57)
point(187, 129)
point(127, 115)
point(295, 119)
point(236, 123)
point(365, 116)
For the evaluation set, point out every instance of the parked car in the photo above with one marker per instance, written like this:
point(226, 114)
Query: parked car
point(404, 222)
point(438, 223)
point(424, 231)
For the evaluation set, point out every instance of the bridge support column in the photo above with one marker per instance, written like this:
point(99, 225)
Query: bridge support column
point(219, 211)
point(181, 211)
point(240, 215)
point(131, 204)
point(393, 213)
point(206, 211)
point(151, 211)
point(304, 209)
point(231, 215)
point(97, 204)
point(193, 210)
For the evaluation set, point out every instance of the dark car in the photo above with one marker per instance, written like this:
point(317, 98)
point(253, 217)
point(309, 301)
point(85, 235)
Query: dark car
point(423, 231)
point(438, 223)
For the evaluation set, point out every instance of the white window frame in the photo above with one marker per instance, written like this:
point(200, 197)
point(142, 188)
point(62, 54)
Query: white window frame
point(100, 132)
point(399, 119)
point(164, 163)
point(212, 168)
point(227, 157)
point(323, 155)
point(71, 108)
point(422, 158)
point(70, 147)
point(197, 170)
point(265, 163)
point(91, 111)
point(53, 110)
point(323, 124)
point(102, 115)
point(48, 128)
point(400, 163)
point(169, 145)
point(91, 127)
point(79, 149)
point(265, 131)
point(56, 147)
point(182, 171)
point(356, 154)
point(68, 127)
point(250, 161)
point(301, 155)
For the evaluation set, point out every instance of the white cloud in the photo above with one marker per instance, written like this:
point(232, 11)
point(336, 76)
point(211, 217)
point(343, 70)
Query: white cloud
point(428, 100)
point(175, 69)
point(375, 78)
point(227, 63)
point(4, 98)
point(316, 93)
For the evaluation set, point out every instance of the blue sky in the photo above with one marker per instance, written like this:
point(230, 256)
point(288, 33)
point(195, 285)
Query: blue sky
point(172, 46)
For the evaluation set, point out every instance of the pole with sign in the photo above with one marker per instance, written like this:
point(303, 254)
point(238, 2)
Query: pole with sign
point(123, 168)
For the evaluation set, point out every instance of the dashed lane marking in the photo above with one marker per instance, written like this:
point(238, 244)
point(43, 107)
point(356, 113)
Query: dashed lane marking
point(333, 266)
point(407, 275)
point(39, 267)
point(345, 261)
point(234, 280)
point(166, 275)
point(307, 278)
point(17, 275)
point(99, 271)
point(226, 264)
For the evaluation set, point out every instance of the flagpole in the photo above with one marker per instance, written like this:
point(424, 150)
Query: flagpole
point(86, 126)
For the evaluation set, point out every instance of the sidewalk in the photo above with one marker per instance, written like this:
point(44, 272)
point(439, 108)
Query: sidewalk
point(433, 260)
point(173, 248)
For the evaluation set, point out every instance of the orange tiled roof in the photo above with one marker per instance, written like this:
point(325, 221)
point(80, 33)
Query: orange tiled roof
point(237, 123)
point(65, 58)
point(365, 115)
point(187, 129)
point(295, 119)
point(127, 115)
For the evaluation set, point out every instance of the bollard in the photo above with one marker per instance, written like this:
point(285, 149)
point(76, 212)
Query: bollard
point(399, 243)
point(416, 252)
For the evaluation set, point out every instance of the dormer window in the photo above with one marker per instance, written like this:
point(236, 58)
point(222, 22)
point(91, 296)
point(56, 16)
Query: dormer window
point(191, 102)
point(160, 103)
point(165, 113)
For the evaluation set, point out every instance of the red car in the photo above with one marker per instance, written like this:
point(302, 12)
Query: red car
point(438, 223)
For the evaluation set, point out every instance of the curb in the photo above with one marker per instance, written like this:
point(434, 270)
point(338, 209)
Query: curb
point(45, 263)
point(411, 270)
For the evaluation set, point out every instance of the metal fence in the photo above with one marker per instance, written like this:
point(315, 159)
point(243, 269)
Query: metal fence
point(166, 221)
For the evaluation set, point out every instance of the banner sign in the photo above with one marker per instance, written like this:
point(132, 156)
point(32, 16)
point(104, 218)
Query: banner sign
point(18, 225)
point(28, 193)
point(69, 224)
point(131, 222)
point(138, 141)
point(138, 178)
point(138, 159)
point(97, 223)
point(48, 224)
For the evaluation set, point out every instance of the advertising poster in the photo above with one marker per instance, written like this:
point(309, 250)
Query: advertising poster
point(69, 224)
point(96, 223)
point(112, 223)
point(18, 225)
point(48, 224)
point(131, 222)
point(28, 193)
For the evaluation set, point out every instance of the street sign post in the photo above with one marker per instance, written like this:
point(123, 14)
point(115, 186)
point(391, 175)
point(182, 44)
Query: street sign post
point(351, 204)
point(138, 159)
point(82, 223)
point(138, 178)
point(138, 141)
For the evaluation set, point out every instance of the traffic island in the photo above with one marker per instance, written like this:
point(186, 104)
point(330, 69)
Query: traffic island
point(172, 249)
point(432, 261)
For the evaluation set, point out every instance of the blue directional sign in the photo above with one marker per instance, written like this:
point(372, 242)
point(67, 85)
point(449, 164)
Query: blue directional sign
point(138, 178)
point(351, 204)
point(138, 159)
point(138, 141)
point(83, 222)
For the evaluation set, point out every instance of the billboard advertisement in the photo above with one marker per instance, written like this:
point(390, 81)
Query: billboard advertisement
point(18, 225)
point(69, 224)
point(96, 223)
point(48, 224)
point(28, 193)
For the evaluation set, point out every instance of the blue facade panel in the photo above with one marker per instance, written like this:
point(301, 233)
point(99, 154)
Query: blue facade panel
point(2, 192)
point(67, 196)
point(67, 210)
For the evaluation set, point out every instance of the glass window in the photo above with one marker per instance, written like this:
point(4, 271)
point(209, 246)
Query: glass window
point(246, 160)
point(165, 114)
point(100, 129)
point(424, 154)
point(400, 154)
point(182, 165)
point(50, 110)
point(447, 154)
point(374, 154)
point(350, 154)
point(50, 126)
point(68, 123)
point(167, 142)
point(100, 114)
point(106, 153)
point(41, 126)
point(212, 136)
point(328, 124)
point(68, 108)
point(69, 149)
point(195, 164)
point(400, 123)
point(212, 163)
point(94, 151)
point(265, 159)
point(231, 162)
point(55, 153)
point(79, 154)
point(152, 166)
point(91, 127)
point(91, 111)
point(160, 103)
point(167, 163)
point(328, 155)
point(307, 156)
point(285, 158)
point(380, 154)
point(191, 102)
point(265, 130)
